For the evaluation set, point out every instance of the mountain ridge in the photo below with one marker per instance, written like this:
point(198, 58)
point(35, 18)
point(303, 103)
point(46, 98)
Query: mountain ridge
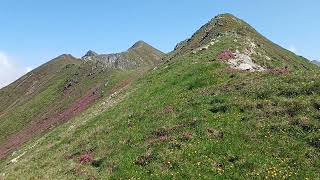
point(248, 44)
point(225, 104)
point(138, 54)
point(61, 89)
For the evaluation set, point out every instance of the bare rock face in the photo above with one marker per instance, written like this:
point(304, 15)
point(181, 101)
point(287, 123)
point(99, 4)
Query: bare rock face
point(110, 61)
point(244, 62)
point(139, 54)
point(91, 53)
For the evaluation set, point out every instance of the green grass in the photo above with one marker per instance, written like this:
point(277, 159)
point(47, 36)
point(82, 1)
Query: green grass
point(229, 29)
point(34, 82)
point(27, 109)
point(49, 98)
point(190, 118)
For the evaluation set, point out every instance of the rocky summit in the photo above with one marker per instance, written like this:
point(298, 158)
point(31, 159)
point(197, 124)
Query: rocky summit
point(227, 103)
point(139, 54)
point(110, 61)
point(249, 50)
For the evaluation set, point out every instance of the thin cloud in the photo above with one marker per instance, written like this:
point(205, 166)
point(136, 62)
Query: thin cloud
point(10, 70)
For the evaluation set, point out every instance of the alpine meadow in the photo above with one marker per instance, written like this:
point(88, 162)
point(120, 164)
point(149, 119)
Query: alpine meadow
point(227, 103)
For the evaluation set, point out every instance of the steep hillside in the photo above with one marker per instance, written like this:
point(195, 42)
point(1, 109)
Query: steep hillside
point(214, 111)
point(27, 85)
point(54, 93)
point(32, 94)
point(244, 43)
point(140, 54)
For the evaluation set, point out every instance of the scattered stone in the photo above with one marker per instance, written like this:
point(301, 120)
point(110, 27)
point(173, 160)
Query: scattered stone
point(232, 159)
point(145, 159)
point(201, 48)
point(162, 132)
point(284, 70)
point(187, 136)
point(226, 55)
point(244, 62)
point(239, 61)
point(214, 133)
point(15, 160)
point(267, 57)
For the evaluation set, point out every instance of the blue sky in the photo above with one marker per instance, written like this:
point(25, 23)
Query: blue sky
point(35, 31)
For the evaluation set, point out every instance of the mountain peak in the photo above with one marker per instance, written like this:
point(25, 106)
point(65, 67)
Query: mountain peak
point(139, 44)
point(227, 33)
point(226, 16)
point(228, 23)
point(91, 53)
point(221, 25)
point(140, 54)
point(63, 56)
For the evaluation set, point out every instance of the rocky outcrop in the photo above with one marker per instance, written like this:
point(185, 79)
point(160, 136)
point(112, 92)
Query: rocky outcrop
point(91, 54)
point(139, 54)
point(256, 52)
point(110, 61)
point(244, 62)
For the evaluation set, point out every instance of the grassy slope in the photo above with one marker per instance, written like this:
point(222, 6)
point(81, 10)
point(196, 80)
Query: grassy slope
point(236, 29)
point(190, 118)
point(32, 83)
point(34, 94)
point(140, 54)
point(50, 99)
point(143, 53)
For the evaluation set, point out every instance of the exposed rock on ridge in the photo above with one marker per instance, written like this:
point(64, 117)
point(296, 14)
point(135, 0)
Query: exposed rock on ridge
point(139, 54)
point(251, 50)
point(113, 61)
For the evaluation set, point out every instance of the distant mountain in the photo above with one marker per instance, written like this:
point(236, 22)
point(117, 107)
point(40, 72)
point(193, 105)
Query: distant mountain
point(139, 54)
point(64, 87)
point(316, 62)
